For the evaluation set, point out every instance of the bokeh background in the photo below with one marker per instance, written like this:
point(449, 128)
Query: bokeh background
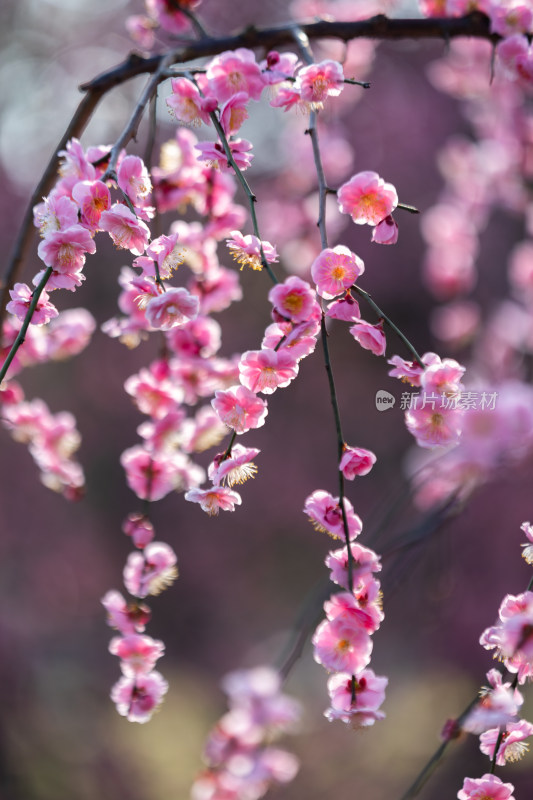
point(245, 577)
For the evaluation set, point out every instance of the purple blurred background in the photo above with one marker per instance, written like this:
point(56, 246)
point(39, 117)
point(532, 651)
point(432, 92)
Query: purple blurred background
point(244, 577)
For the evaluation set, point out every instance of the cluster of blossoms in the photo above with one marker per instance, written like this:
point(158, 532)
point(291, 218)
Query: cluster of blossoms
point(503, 735)
point(241, 761)
point(149, 570)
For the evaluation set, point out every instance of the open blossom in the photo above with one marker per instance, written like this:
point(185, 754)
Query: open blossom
point(246, 250)
point(165, 252)
point(498, 705)
point(93, 197)
point(236, 468)
point(240, 408)
point(214, 499)
point(489, 787)
point(21, 297)
point(151, 571)
point(235, 71)
point(150, 476)
point(214, 155)
point(267, 370)
point(125, 617)
point(356, 699)
point(367, 198)
point(434, 424)
point(133, 179)
point(55, 213)
point(356, 461)
point(325, 513)
point(512, 746)
point(233, 113)
point(65, 250)
point(335, 270)
point(294, 299)
point(317, 82)
point(342, 645)
point(174, 307)
point(138, 653)
point(365, 562)
point(126, 230)
point(371, 337)
point(137, 697)
point(187, 104)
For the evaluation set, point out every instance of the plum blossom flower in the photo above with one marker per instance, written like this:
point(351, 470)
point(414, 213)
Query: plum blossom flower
point(356, 461)
point(371, 337)
point(294, 299)
point(126, 230)
point(125, 617)
point(434, 425)
point(64, 250)
point(367, 198)
point(267, 370)
point(233, 113)
point(214, 499)
point(246, 250)
point(489, 787)
point(236, 468)
point(174, 307)
point(138, 653)
point(345, 308)
point(187, 104)
point(139, 527)
point(317, 82)
point(342, 645)
point(325, 513)
point(335, 270)
point(386, 231)
point(137, 697)
point(21, 297)
point(527, 552)
point(235, 71)
point(214, 155)
point(93, 197)
point(356, 699)
point(512, 746)
point(498, 705)
point(150, 476)
point(240, 408)
point(151, 571)
point(133, 179)
point(364, 562)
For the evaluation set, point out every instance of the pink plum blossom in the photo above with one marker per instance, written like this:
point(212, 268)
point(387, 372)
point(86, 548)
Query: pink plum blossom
point(335, 270)
point(294, 299)
point(434, 424)
point(356, 461)
point(169, 16)
point(371, 337)
point(325, 513)
point(150, 476)
point(151, 571)
point(512, 746)
point(498, 705)
point(214, 155)
point(386, 231)
point(141, 29)
point(356, 699)
point(133, 179)
point(367, 198)
point(187, 104)
point(154, 392)
point(246, 250)
point(364, 562)
point(93, 197)
point(240, 408)
point(174, 307)
point(267, 370)
point(233, 113)
point(489, 787)
point(64, 250)
point(342, 645)
point(165, 252)
point(137, 697)
point(345, 308)
point(21, 298)
point(213, 500)
point(125, 617)
point(55, 213)
point(138, 653)
point(235, 71)
point(235, 468)
point(139, 527)
point(317, 82)
point(126, 230)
